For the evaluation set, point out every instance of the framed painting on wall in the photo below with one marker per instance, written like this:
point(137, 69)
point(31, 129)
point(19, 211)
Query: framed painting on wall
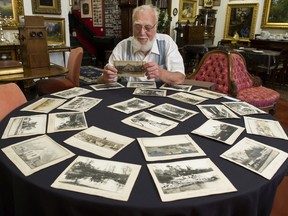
point(76, 5)
point(215, 2)
point(240, 19)
point(86, 9)
point(46, 6)
point(275, 14)
point(55, 28)
point(187, 10)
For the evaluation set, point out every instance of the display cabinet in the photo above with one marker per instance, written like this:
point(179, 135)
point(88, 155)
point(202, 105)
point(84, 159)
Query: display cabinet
point(207, 18)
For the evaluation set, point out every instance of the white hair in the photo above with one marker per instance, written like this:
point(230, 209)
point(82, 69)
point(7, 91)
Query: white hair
point(153, 8)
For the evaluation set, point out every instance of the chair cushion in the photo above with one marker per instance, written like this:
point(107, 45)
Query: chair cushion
point(259, 96)
point(52, 85)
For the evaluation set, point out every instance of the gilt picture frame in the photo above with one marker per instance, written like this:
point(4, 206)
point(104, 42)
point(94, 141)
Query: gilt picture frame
point(187, 11)
point(241, 19)
point(275, 14)
point(55, 28)
point(46, 6)
point(13, 9)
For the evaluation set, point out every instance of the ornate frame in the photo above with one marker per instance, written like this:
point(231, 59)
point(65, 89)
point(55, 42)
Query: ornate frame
point(241, 18)
point(55, 7)
point(17, 10)
point(269, 11)
point(55, 28)
point(187, 4)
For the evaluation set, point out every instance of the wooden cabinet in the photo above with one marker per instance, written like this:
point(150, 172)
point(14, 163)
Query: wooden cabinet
point(208, 20)
point(269, 44)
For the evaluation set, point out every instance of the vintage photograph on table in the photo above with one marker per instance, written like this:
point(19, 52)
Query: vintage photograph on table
point(109, 179)
point(174, 112)
point(131, 105)
point(243, 108)
point(66, 121)
point(221, 131)
point(44, 105)
point(129, 68)
point(72, 92)
point(216, 111)
point(187, 98)
point(141, 84)
point(150, 92)
point(169, 147)
point(108, 86)
point(150, 123)
point(25, 126)
point(207, 93)
point(255, 156)
point(80, 104)
point(35, 154)
point(188, 179)
point(184, 88)
point(98, 141)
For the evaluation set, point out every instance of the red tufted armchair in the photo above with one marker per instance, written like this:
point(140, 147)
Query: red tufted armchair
point(228, 71)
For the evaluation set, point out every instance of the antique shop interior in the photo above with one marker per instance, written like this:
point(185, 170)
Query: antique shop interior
point(36, 34)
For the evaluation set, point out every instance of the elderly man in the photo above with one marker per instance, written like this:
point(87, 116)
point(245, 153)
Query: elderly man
point(159, 52)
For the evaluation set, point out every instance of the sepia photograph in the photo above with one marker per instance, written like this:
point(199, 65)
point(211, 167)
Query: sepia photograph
point(150, 123)
point(131, 105)
point(80, 104)
point(255, 156)
point(107, 86)
point(207, 93)
point(150, 92)
point(35, 154)
point(100, 142)
point(187, 98)
point(44, 105)
point(189, 179)
point(72, 92)
point(221, 131)
point(174, 112)
point(243, 108)
point(216, 111)
point(25, 126)
point(66, 121)
point(264, 127)
point(141, 84)
point(129, 68)
point(108, 179)
point(169, 147)
point(185, 88)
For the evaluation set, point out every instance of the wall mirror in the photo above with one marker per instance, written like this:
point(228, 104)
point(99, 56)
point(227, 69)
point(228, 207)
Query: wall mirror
point(275, 14)
point(11, 9)
point(241, 19)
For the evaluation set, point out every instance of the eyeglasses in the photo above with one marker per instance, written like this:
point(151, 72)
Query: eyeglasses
point(147, 28)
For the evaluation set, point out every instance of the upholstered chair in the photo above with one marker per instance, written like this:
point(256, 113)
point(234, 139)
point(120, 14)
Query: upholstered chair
point(214, 67)
point(246, 88)
point(52, 85)
point(11, 97)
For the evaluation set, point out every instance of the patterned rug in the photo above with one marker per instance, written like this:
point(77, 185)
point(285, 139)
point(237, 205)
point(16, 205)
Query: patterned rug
point(89, 74)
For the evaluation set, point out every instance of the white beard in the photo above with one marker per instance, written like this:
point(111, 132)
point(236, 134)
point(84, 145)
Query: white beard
point(137, 46)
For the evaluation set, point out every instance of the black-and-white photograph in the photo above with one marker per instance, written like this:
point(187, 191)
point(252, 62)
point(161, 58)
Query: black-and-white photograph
point(216, 111)
point(264, 127)
point(150, 123)
point(207, 93)
point(188, 179)
point(131, 105)
point(107, 86)
point(129, 68)
point(187, 98)
point(221, 131)
point(66, 121)
point(185, 88)
point(25, 126)
point(255, 156)
point(243, 108)
point(44, 105)
point(109, 179)
point(150, 92)
point(35, 154)
point(81, 104)
point(141, 84)
point(169, 147)
point(174, 112)
point(100, 142)
point(72, 92)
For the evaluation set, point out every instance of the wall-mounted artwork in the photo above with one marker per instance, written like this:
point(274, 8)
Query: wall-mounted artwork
point(275, 14)
point(240, 19)
point(55, 28)
point(86, 9)
point(187, 11)
point(46, 6)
